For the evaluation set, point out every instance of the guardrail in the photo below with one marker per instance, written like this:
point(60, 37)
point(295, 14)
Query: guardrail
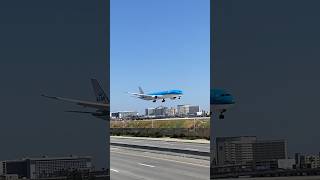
point(173, 150)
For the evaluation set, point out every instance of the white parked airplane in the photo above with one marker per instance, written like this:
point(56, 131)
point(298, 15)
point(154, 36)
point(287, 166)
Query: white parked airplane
point(101, 105)
point(172, 94)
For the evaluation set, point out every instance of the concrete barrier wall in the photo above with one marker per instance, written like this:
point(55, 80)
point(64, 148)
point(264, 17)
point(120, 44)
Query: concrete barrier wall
point(203, 133)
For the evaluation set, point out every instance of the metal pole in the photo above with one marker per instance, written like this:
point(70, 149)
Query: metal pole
point(152, 123)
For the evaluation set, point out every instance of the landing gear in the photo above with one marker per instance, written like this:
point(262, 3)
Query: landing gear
point(221, 116)
point(179, 97)
point(163, 100)
point(155, 99)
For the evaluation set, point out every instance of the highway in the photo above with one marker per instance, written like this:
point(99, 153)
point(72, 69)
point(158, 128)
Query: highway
point(201, 147)
point(133, 164)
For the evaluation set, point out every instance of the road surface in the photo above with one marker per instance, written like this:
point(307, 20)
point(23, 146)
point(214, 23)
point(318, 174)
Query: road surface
point(130, 164)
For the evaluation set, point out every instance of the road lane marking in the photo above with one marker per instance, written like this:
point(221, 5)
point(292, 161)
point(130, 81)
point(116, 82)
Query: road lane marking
point(147, 165)
point(114, 170)
point(191, 149)
point(163, 159)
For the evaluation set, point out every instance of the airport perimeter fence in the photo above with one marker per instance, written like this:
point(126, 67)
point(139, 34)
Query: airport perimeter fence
point(187, 133)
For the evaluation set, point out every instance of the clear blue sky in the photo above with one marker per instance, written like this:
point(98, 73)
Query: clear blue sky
point(159, 45)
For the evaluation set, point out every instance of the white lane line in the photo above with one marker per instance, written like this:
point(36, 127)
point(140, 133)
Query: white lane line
point(147, 165)
point(114, 170)
point(191, 149)
point(163, 159)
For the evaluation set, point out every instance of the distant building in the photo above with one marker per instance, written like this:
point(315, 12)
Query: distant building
point(234, 150)
point(248, 150)
point(160, 111)
point(183, 110)
point(286, 163)
point(193, 110)
point(172, 112)
point(41, 168)
point(150, 112)
point(270, 149)
point(124, 114)
point(307, 161)
point(9, 177)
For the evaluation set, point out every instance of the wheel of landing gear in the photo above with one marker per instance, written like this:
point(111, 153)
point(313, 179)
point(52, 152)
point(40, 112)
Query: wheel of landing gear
point(163, 100)
point(221, 116)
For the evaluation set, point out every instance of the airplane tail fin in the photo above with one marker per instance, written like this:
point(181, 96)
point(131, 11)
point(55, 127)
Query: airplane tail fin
point(140, 90)
point(101, 96)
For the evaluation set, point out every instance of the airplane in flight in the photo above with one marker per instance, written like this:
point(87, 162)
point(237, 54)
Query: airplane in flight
point(172, 94)
point(220, 101)
point(101, 105)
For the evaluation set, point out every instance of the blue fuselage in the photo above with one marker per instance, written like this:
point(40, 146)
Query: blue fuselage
point(221, 97)
point(166, 93)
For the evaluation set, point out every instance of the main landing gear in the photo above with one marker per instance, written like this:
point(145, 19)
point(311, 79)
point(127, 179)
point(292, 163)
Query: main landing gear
point(155, 99)
point(221, 116)
point(163, 100)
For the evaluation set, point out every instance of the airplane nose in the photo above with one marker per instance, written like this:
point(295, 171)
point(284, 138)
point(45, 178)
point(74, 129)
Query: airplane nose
point(228, 100)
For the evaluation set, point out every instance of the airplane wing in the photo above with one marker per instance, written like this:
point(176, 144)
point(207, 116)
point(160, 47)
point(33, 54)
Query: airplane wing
point(144, 96)
point(89, 104)
point(84, 112)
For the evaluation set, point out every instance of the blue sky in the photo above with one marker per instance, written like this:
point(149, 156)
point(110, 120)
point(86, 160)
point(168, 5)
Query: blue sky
point(159, 45)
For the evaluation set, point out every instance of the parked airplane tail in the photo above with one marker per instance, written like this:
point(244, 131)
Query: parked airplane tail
point(99, 93)
point(140, 90)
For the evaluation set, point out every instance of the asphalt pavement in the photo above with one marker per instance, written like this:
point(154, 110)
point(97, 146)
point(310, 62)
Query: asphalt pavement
point(132, 164)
